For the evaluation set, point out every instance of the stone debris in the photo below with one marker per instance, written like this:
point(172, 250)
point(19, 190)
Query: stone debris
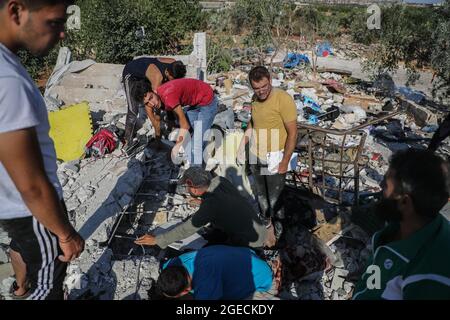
point(4, 257)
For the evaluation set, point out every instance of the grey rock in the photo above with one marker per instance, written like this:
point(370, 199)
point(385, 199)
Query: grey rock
point(339, 278)
point(422, 116)
point(82, 195)
point(77, 281)
point(72, 203)
point(4, 239)
point(348, 287)
point(4, 257)
point(63, 178)
point(72, 166)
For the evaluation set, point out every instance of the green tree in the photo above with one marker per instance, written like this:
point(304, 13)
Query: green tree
point(115, 31)
point(417, 38)
point(440, 56)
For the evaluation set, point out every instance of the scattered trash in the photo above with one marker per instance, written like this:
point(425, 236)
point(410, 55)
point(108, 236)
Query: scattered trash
point(102, 143)
point(324, 49)
point(334, 86)
point(347, 132)
point(293, 60)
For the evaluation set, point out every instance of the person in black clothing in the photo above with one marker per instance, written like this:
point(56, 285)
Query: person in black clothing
point(442, 133)
point(141, 76)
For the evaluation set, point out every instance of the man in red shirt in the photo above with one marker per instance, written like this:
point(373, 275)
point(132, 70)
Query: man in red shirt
point(200, 109)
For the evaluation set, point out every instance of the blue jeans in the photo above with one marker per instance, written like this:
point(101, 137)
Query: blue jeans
point(201, 120)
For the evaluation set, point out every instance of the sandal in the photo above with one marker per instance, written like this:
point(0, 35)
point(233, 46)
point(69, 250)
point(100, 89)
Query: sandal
point(15, 287)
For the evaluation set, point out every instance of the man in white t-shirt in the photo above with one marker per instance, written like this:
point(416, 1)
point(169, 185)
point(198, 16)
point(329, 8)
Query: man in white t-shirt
point(31, 204)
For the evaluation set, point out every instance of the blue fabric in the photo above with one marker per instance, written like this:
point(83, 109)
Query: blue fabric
point(292, 60)
point(411, 94)
point(201, 119)
point(224, 272)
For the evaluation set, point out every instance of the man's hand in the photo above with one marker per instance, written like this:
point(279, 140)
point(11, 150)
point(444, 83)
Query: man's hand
point(283, 167)
point(71, 247)
point(175, 153)
point(147, 240)
point(271, 240)
point(195, 202)
point(240, 157)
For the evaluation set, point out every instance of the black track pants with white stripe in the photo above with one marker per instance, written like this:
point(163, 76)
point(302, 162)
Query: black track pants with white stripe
point(133, 109)
point(39, 249)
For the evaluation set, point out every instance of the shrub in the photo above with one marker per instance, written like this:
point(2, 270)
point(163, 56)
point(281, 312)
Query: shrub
point(38, 67)
point(417, 37)
point(115, 31)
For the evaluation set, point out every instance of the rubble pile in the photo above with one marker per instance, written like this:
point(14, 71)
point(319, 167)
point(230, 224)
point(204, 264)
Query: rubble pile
point(335, 103)
point(345, 48)
point(113, 200)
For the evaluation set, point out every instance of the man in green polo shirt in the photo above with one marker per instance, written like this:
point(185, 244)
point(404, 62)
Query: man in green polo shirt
point(411, 255)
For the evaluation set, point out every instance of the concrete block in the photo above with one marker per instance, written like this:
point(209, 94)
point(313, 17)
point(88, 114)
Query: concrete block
point(4, 239)
point(72, 203)
point(339, 279)
point(82, 195)
point(77, 281)
point(160, 218)
point(422, 116)
point(73, 167)
point(4, 257)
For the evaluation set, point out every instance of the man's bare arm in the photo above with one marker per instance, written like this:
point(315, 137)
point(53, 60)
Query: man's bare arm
point(155, 120)
point(184, 123)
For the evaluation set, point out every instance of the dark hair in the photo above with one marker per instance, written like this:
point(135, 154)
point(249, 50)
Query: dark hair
point(34, 5)
point(173, 281)
point(139, 88)
point(422, 175)
point(258, 73)
point(177, 70)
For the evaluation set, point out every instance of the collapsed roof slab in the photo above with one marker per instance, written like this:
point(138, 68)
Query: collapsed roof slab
point(99, 85)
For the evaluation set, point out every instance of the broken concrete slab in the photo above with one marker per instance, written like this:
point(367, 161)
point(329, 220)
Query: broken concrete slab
point(421, 115)
point(339, 279)
point(160, 218)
